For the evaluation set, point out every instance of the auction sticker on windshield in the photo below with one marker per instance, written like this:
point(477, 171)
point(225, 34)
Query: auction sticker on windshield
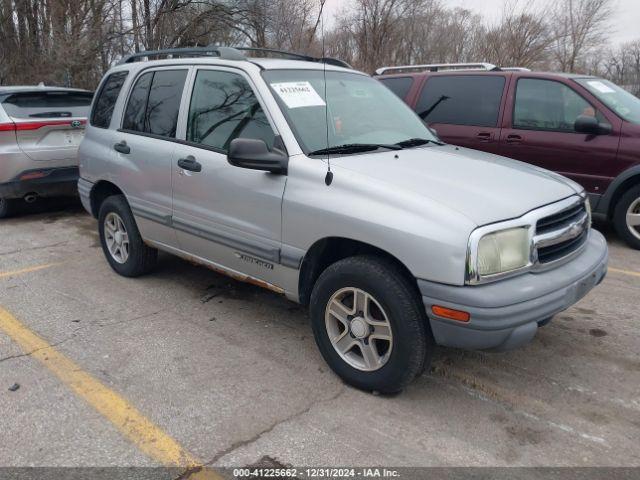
point(601, 87)
point(298, 94)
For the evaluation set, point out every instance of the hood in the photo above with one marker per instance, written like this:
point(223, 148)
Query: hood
point(485, 188)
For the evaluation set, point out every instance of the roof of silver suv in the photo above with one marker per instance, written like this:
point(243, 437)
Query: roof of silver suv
point(261, 62)
point(37, 88)
point(220, 55)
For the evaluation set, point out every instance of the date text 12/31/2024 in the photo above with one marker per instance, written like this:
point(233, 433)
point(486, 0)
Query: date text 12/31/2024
point(315, 473)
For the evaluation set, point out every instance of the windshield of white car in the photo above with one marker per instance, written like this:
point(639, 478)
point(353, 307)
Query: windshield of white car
point(360, 112)
point(616, 98)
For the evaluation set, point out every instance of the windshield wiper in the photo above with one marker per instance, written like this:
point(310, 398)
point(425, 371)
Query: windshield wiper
point(354, 148)
point(416, 142)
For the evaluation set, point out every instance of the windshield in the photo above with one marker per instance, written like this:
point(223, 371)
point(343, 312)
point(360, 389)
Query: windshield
point(617, 99)
point(360, 110)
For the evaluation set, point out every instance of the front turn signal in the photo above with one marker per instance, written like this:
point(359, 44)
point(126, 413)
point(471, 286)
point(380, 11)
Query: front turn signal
point(450, 313)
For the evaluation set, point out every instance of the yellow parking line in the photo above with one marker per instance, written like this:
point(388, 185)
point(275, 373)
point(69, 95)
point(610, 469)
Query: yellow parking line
point(148, 437)
point(27, 270)
point(624, 272)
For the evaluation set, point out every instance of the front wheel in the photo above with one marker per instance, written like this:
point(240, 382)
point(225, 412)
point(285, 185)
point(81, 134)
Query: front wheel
point(626, 217)
point(121, 241)
point(370, 324)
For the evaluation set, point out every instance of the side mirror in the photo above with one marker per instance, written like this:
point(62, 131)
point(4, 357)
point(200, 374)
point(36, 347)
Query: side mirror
point(254, 154)
point(591, 126)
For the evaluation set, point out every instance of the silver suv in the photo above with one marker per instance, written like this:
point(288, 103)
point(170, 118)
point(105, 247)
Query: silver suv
point(316, 181)
point(40, 130)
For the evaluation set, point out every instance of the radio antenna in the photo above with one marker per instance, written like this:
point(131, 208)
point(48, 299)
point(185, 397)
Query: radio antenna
point(329, 176)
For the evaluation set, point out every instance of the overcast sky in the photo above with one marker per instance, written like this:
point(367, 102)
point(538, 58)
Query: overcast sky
point(625, 23)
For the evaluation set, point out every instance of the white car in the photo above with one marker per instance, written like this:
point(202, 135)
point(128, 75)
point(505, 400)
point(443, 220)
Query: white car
point(40, 130)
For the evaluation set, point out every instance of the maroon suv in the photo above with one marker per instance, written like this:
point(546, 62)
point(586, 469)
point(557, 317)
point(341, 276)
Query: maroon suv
point(585, 128)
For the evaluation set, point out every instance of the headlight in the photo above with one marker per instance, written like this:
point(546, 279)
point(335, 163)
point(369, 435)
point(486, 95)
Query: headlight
point(503, 251)
point(587, 205)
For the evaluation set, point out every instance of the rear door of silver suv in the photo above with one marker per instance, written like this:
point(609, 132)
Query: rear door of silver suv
point(144, 149)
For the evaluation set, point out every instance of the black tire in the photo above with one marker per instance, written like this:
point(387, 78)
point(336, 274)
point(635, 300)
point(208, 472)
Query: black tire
point(412, 343)
point(141, 258)
point(7, 207)
point(630, 197)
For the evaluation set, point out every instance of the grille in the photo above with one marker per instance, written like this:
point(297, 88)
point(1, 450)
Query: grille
point(561, 222)
point(562, 249)
point(561, 219)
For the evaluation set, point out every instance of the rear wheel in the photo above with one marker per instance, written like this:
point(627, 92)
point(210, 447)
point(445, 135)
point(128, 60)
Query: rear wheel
point(121, 241)
point(370, 324)
point(626, 217)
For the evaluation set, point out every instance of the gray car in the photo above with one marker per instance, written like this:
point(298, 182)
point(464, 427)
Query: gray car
point(40, 130)
point(315, 181)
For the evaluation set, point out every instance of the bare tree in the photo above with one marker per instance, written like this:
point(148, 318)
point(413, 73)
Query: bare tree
point(578, 27)
point(73, 42)
point(520, 38)
point(620, 65)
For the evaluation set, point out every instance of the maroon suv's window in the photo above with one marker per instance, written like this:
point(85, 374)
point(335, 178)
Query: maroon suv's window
point(462, 100)
point(549, 105)
point(398, 85)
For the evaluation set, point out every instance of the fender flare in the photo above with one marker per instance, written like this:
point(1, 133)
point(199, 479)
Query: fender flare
point(613, 192)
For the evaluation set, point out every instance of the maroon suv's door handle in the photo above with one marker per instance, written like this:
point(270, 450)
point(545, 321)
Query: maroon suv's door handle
point(514, 139)
point(484, 136)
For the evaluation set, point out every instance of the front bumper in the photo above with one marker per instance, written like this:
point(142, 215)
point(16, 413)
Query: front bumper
point(506, 314)
point(53, 182)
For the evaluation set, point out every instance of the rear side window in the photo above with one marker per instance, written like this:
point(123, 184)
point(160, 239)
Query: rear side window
point(549, 105)
point(155, 102)
point(106, 100)
point(399, 86)
point(50, 104)
point(462, 100)
point(136, 108)
point(224, 107)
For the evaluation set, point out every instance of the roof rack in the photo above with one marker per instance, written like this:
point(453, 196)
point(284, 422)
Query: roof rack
point(307, 58)
point(225, 53)
point(515, 69)
point(439, 67)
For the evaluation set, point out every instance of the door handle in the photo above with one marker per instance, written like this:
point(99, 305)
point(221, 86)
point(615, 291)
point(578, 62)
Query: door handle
point(514, 139)
point(484, 136)
point(122, 147)
point(190, 164)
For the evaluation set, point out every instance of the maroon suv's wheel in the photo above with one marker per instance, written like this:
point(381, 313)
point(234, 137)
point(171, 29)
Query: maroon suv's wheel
point(626, 217)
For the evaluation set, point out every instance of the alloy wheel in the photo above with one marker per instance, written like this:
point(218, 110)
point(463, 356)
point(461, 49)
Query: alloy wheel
point(116, 237)
point(633, 218)
point(359, 329)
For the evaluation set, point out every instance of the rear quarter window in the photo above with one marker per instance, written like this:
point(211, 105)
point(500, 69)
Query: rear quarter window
point(135, 113)
point(398, 85)
point(462, 100)
point(48, 104)
point(106, 100)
